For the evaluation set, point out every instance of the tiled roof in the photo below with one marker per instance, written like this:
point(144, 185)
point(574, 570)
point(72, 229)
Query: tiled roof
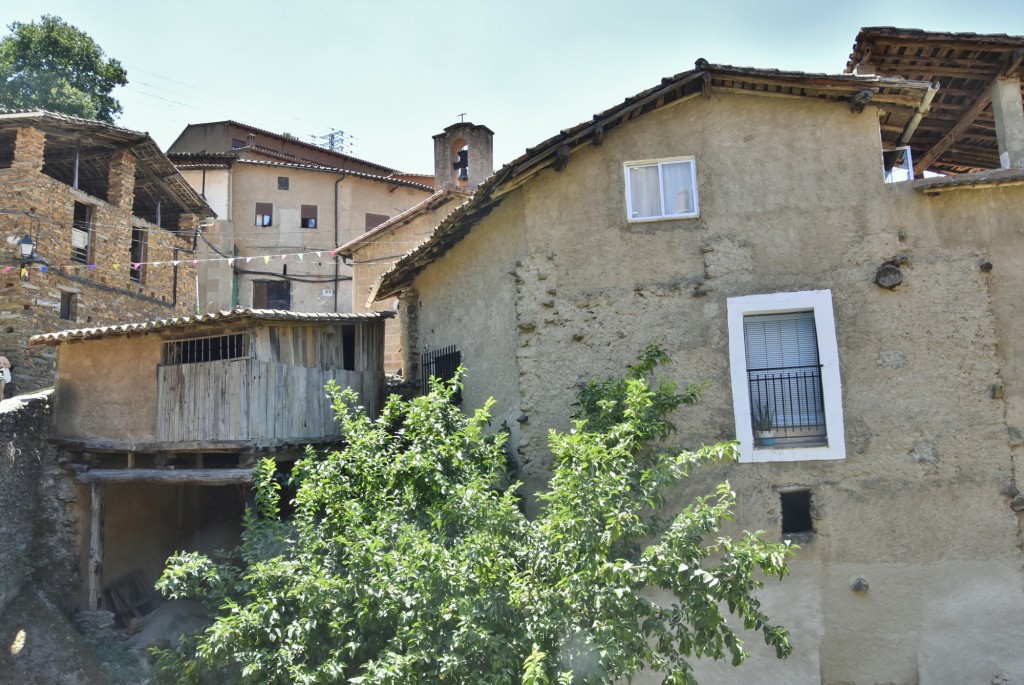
point(336, 170)
point(979, 179)
point(426, 205)
point(200, 319)
point(898, 96)
point(956, 133)
point(299, 141)
point(161, 178)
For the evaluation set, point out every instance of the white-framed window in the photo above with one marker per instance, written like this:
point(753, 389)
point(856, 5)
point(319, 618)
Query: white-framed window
point(784, 364)
point(661, 189)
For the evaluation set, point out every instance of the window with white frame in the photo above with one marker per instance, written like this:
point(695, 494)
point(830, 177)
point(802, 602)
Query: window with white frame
point(661, 189)
point(784, 362)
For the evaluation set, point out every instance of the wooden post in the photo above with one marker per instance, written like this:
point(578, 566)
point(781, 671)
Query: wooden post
point(96, 546)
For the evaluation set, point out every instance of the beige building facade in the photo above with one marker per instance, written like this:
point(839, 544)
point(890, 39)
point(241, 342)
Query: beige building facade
point(283, 206)
point(728, 206)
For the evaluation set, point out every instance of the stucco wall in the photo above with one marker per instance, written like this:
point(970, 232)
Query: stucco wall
point(792, 199)
point(121, 371)
point(312, 278)
point(373, 258)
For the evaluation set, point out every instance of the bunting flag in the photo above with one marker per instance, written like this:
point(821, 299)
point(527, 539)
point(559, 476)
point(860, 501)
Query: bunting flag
point(116, 266)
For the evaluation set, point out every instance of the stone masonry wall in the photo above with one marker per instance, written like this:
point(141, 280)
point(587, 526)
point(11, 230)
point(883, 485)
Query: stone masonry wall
point(102, 291)
point(38, 525)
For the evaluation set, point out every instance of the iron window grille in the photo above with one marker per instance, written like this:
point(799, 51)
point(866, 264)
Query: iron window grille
point(212, 349)
point(442, 364)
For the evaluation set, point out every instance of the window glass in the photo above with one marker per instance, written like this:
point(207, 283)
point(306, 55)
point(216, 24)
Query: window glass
point(661, 189)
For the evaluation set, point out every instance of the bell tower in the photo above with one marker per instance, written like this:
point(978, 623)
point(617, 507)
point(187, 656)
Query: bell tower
point(463, 155)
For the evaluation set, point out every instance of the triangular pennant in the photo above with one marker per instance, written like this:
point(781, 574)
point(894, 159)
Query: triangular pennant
point(92, 267)
point(231, 261)
point(300, 256)
point(7, 268)
point(136, 265)
point(318, 253)
point(248, 259)
point(116, 266)
point(43, 268)
point(284, 257)
point(24, 273)
point(176, 262)
point(157, 263)
point(266, 259)
point(195, 261)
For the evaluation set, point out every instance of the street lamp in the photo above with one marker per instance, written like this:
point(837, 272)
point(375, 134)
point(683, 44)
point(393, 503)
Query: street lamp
point(27, 250)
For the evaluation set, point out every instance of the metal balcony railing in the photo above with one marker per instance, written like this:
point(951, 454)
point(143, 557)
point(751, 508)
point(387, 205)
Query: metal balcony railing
point(791, 398)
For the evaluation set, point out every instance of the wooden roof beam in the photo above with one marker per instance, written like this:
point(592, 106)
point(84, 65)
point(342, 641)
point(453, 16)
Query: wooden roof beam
point(968, 118)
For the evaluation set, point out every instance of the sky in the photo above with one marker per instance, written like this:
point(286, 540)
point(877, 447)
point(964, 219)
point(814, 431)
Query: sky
point(390, 74)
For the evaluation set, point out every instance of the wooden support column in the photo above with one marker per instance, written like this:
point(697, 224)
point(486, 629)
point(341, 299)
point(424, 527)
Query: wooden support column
point(1008, 111)
point(95, 581)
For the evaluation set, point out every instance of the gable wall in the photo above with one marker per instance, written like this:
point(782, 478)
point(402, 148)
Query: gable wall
point(792, 199)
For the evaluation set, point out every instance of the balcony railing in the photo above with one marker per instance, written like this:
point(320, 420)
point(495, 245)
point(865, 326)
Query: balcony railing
point(790, 399)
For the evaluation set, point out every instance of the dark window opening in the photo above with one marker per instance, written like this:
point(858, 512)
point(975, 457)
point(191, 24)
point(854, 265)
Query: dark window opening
point(442, 365)
point(796, 512)
point(271, 295)
point(81, 233)
point(264, 213)
point(237, 143)
point(137, 254)
point(348, 348)
point(375, 220)
point(282, 183)
point(205, 349)
point(309, 213)
point(67, 306)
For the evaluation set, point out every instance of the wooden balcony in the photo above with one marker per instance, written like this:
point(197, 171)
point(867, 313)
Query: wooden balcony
point(252, 400)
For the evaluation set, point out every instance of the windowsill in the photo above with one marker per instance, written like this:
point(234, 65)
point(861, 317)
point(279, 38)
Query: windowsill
point(779, 453)
point(671, 217)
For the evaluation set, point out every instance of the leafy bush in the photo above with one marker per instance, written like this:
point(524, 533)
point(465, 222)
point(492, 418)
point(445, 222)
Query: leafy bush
point(404, 563)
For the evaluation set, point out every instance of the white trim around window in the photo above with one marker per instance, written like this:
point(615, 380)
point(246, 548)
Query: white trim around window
point(820, 303)
point(659, 189)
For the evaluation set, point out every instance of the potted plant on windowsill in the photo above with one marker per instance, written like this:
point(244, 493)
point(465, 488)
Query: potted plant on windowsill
point(764, 424)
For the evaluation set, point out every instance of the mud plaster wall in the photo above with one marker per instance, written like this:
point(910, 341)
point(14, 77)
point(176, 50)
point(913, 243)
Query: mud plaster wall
point(37, 526)
point(792, 199)
point(122, 371)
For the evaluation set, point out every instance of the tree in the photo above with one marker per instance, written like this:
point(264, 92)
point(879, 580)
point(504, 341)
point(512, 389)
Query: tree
point(404, 562)
point(53, 65)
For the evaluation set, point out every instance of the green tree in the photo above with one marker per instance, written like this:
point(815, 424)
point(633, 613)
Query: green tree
point(53, 65)
point(404, 563)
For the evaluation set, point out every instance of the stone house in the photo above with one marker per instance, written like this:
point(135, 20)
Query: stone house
point(463, 158)
point(283, 205)
point(113, 225)
point(204, 393)
point(753, 222)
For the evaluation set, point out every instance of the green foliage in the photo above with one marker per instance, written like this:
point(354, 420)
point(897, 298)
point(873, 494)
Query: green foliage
point(404, 564)
point(764, 417)
point(54, 66)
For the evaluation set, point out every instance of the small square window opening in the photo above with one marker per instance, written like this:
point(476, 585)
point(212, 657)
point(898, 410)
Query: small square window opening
point(282, 183)
point(796, 512)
